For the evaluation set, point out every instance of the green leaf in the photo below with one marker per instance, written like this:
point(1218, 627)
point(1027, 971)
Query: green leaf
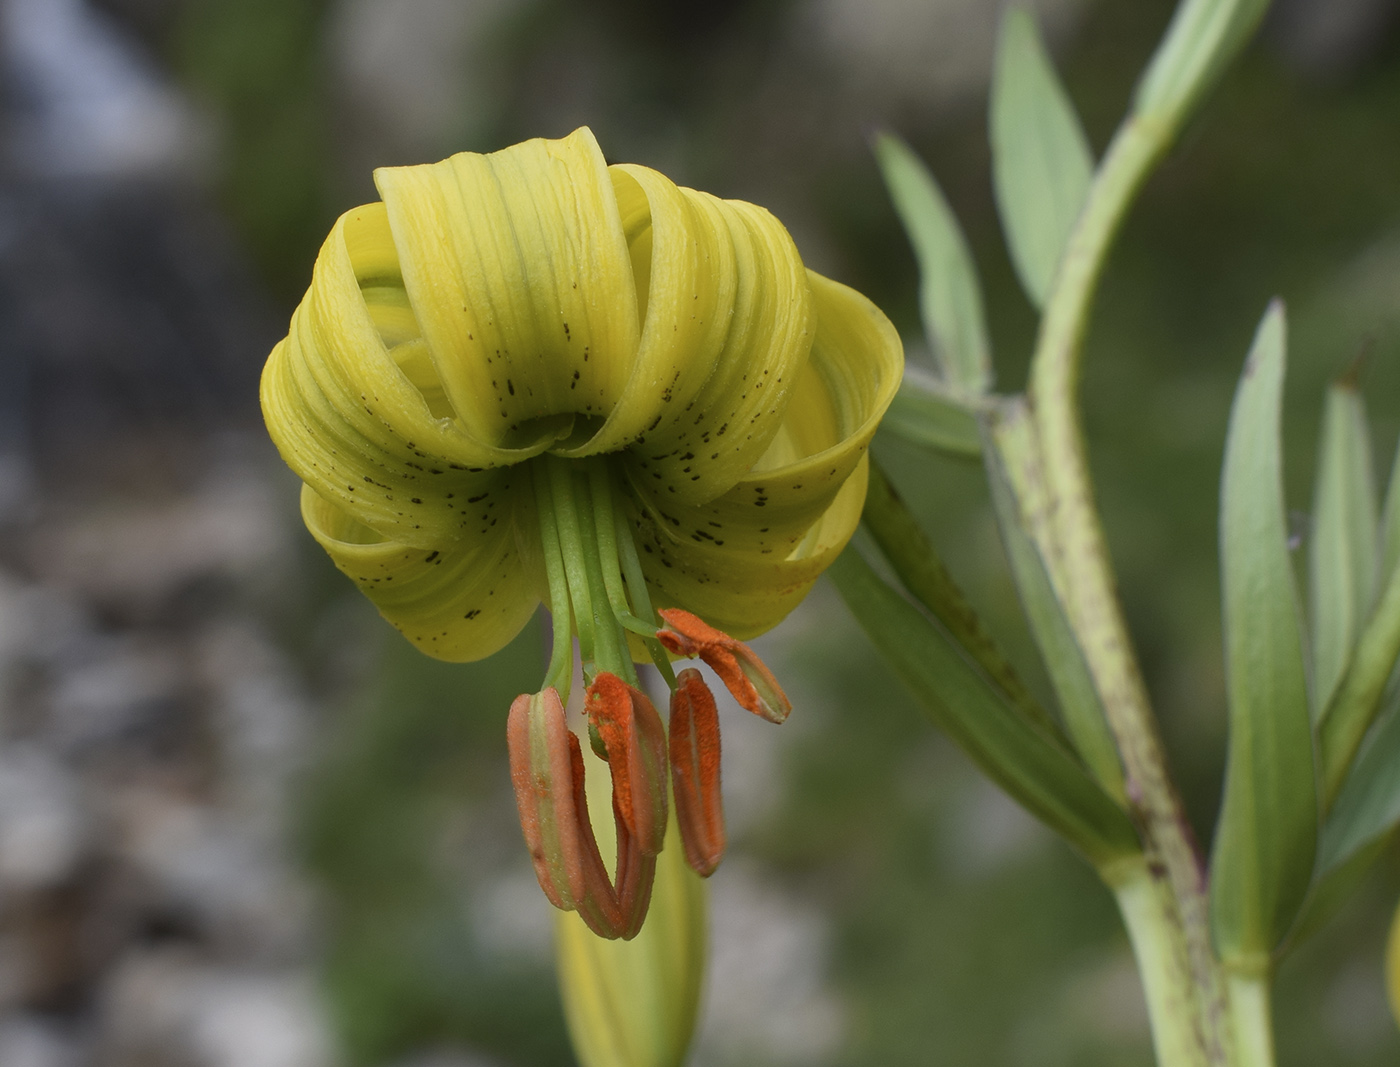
point(925, 413)
point(1021, 501)
point(1368, 806)
point(1342, 552)
point(909, 552)
point(1390, 523)
point(949, 296)
point(1024, 761)
point(1358, 698)
point(1204, 36)
point(1267, 835)
point(1333, 887)
point(1041, 163)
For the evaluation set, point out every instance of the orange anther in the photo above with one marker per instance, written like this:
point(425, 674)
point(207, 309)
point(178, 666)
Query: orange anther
point(739, 668)
point(695, 758)
point(547, 770)
point(635, 740)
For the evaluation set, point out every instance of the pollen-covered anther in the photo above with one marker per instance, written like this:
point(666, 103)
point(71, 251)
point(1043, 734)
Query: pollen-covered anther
point(635, 740)
point(546, 766)
point(746, 676)
point(695, 778)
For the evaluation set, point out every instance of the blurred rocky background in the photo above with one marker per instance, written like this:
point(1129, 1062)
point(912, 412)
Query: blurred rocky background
point(243, 826)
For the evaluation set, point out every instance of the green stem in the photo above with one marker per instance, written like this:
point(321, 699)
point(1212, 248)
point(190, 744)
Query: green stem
point(1253, 1021)
point(1081, 564)
point(1149, 913)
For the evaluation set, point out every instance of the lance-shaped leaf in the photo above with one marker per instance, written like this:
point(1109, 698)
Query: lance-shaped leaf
point(1354, 705)
point(1356, 701)
point(924, 412)
point(1390, 523)
point(1038, 773)
point(1041, 162)
point(1021, 501)
point(1203, 38)
point(1342, 553)
point(1332, 888)
point(923, 574)
point(949, 296)
point(1368, 805)
point(1267, 834)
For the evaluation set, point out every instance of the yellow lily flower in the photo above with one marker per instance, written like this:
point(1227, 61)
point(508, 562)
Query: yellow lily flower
point(530, 376)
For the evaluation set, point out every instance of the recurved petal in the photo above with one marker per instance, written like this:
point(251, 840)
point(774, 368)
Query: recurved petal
point(684, 271)
point(745, 560)
point(349, 417)
point(728, 332)
point(461, 601)
point(739, 591)
point(517, 268)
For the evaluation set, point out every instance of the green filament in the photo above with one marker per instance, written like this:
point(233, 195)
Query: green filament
point(561, 658)
point(596, 584)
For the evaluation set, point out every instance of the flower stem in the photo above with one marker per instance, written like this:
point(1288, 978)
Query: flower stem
point(1163, 959)
point(1189, 989)
point(1251, 1013)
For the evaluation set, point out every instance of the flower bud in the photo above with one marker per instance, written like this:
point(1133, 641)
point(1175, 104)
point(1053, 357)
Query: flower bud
point(634, 1003)
point(1392, 967)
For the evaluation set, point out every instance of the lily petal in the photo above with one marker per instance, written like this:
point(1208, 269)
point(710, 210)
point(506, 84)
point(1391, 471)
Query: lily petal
point(350, 421)
point(728, 329)
point(745, 560)
point(460, 602)
point(518, 271)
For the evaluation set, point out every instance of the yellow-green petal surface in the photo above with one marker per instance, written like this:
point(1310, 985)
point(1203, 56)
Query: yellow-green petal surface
point(744, 560)
point(495, 307)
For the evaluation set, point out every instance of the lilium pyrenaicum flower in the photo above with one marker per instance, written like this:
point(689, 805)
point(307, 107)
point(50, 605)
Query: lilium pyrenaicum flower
point(530, 376)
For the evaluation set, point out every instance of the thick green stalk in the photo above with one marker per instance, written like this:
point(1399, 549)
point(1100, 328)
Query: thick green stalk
point(1150, 914)
point(1253, 1020)
point(1186, 977)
